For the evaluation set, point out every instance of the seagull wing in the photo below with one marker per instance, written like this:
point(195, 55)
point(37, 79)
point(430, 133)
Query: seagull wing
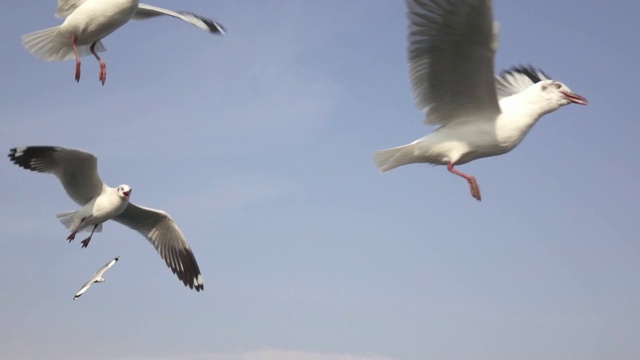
point(66, 7)
point(451, 50)
point(84, 288)
point(145, 11)
point(163, 233)
point(106, 267)
point(77, 170)
point(518, 78)
point(95, 277)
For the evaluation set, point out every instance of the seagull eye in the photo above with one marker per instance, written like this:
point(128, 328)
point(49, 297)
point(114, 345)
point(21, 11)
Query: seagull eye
point(557, 85)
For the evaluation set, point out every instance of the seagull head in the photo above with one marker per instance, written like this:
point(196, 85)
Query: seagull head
point(124, 191)
point(559, 94)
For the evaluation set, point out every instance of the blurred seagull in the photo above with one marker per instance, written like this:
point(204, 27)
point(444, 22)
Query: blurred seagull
point(87, 22)
point(96, 278)
point(78, 173)
point(451, 50)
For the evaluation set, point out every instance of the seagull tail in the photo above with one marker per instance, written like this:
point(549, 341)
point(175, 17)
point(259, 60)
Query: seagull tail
point(67, 219)
point(71, 221)
point(51, 45)
point(389, 159)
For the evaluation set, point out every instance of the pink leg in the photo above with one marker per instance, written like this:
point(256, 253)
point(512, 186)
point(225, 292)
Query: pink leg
point(103, 67)
point(473, 184)
point(75, 50)
point(85, 242)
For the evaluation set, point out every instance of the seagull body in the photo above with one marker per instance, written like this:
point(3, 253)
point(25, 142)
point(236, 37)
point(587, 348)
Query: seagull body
point(96, 278)
point(451, 55)
point(78, 172)
point(87, 22)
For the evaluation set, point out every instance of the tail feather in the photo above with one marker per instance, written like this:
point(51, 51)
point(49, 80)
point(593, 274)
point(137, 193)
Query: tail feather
point(389, 159)
point(67, 219)
point(50, 45)
point(71, 222)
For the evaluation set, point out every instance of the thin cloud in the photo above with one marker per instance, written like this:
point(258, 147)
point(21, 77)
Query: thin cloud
point(266, 354)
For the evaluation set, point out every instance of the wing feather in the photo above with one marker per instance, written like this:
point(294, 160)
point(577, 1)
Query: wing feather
point(165, 236)
point(145, 11)
point(451, 58)
point(518, 78)
point(66, 7)
point(77, 170)
point(84, 288)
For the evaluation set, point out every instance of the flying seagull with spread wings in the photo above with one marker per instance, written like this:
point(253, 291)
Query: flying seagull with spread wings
point(451, 65)
point(96, 278)
point(87, 22)
point(78, 172)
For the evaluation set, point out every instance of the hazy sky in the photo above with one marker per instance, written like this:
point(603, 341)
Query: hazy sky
point(260, 145)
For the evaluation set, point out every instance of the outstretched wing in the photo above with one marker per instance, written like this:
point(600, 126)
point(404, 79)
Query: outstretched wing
point(106, 266)
point(77, 170)
point(84, 288)
point(145, 11)
point(163, 233)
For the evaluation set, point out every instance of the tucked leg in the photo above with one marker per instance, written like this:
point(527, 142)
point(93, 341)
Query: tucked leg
point(85, 242)
point(473, 184)
point(103, 67)
point(75, 232)
point(75, 51)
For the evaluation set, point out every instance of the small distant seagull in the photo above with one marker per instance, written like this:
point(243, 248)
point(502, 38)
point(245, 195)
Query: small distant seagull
point(87, 22)
point(96, 278)
point(451, 65)
point(78, 172)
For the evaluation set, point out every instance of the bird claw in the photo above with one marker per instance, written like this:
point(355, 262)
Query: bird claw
point(473, 184)
point(71, 237)
point(77, 77)
point(475, 190)
point(103, 72)
point(85, 243)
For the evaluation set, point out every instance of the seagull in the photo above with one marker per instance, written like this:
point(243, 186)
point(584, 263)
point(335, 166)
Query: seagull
point(96, 278)
point(87, 22)
point(78, 172)
point(451, 65)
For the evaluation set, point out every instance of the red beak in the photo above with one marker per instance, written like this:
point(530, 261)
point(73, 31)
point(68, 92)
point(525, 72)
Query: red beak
point(127, 193)
point(575, 98)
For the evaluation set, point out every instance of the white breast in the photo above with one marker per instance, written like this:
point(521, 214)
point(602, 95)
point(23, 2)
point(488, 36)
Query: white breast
point(95, 19)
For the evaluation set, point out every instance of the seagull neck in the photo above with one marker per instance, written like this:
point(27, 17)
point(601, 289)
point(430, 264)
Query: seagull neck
point(523, 109)
point(519, 115)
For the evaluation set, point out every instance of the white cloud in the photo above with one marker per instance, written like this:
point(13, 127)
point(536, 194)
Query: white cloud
point(266, 354)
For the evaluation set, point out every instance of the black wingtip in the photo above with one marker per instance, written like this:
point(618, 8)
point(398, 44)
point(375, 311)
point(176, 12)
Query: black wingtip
point(27, 157)
point(22, 156)
point(529, 71)
point(214, 27)
point(189, 271)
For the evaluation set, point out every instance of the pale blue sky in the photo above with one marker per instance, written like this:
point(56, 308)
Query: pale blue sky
point(260, 145)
